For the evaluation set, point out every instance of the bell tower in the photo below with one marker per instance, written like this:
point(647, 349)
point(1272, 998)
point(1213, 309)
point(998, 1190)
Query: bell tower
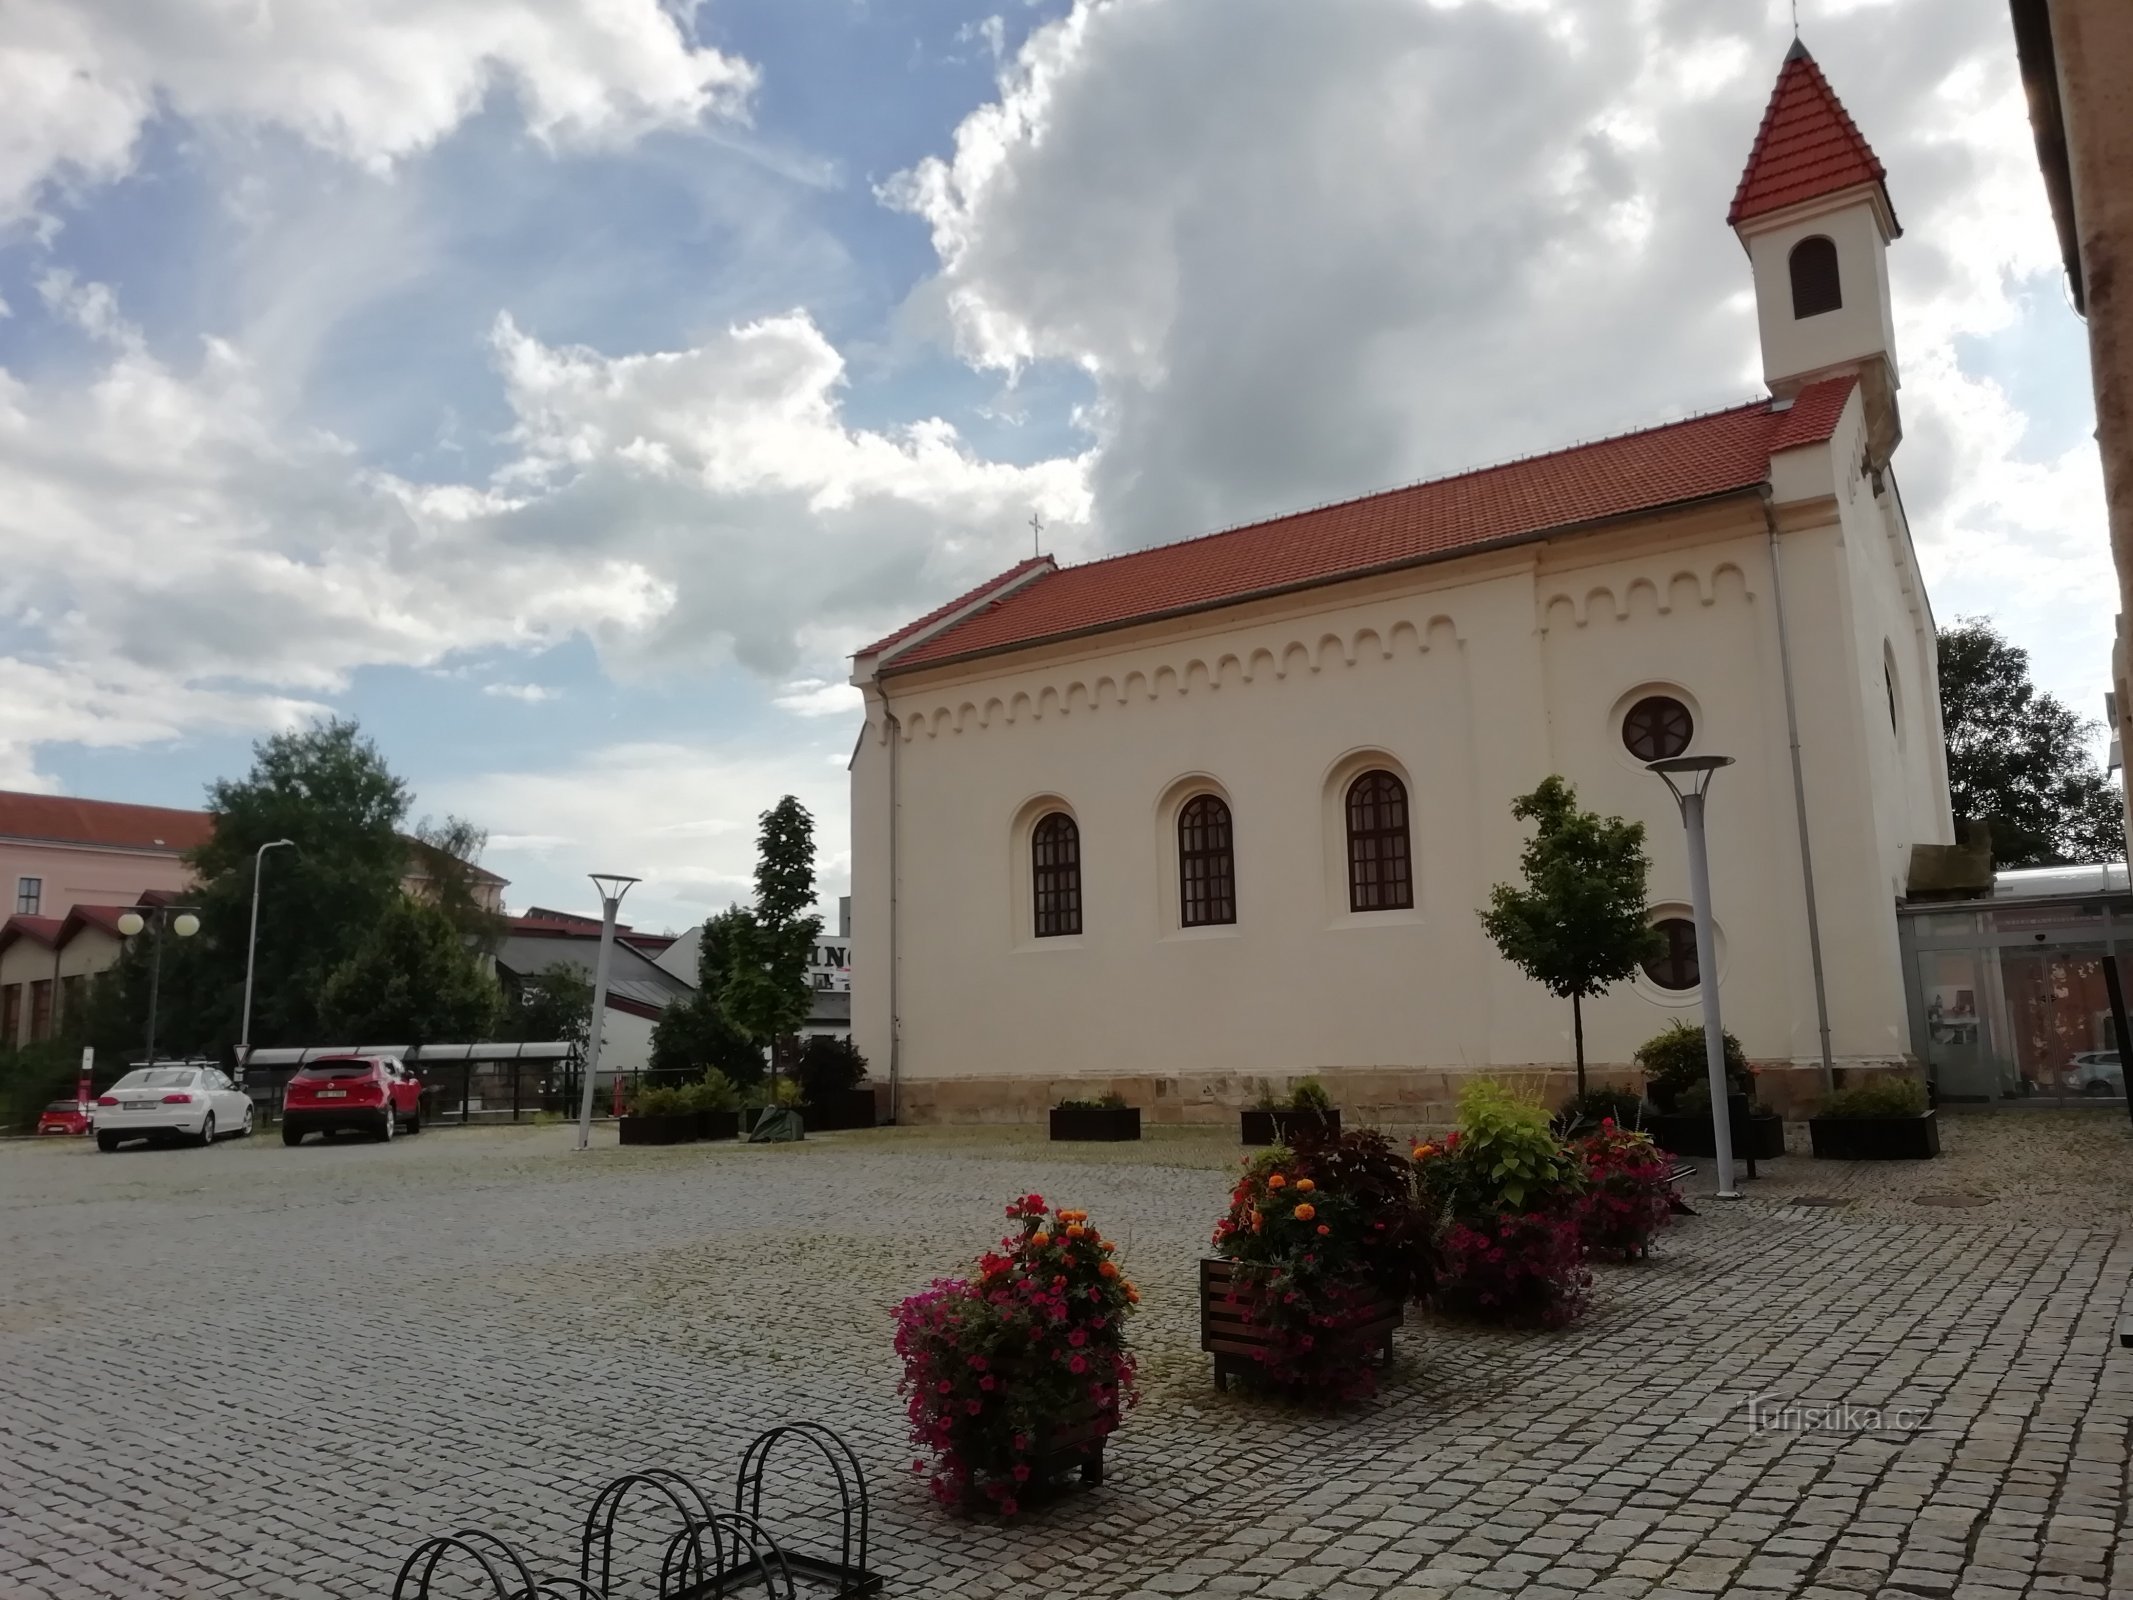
point(1813, 213)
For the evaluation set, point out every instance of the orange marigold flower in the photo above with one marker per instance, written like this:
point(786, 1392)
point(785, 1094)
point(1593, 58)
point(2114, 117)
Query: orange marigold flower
point(1075, 1230)
point(1305, 1186)
point(1276, 1181)
point(1107, 1269)
point(1322, 1228)
point(1306, 1211)
point(1422, 1150)
point(1133, 1294)
point(1040, 1239)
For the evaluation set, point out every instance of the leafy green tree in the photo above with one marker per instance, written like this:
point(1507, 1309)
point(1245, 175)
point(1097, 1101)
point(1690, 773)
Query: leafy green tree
point(327, 788)
point(446, 857)
point(829, 1067)
point(2018, 758)
point(762, 950)
point(692, 1035)
point(554, 1004)
point(1578, 926)
point(412, 980)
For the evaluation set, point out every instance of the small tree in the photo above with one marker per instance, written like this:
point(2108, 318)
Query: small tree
point(411, 981)
point(1578, 926)
point(762, 951)
point(828, 1068)
point(692, 1035)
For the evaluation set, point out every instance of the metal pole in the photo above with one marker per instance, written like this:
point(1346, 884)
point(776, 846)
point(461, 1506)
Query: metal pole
point(155, 986)
point(1714, 1033)
point(608, 906)
point(251, 955)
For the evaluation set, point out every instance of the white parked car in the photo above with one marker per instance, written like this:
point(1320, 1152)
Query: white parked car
point(2096, 1072)
point(198, 1104)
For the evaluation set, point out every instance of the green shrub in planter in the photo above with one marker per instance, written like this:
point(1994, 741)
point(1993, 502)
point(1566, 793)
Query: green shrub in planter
point(1674, 1063)
point(1309, 1095)
point(661, 1102)
point(714, 1093)
point(1878, 1097)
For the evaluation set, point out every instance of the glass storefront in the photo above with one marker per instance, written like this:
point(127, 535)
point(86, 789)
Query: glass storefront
point(2009, 1001)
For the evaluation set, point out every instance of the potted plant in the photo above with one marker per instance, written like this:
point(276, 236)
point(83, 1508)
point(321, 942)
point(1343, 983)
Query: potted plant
point(1319, 1250)
point(1505, 1193)
point(716, 1105)
point(1883, 1119)
point(659, 1115)
point(834, 1093)
point(1677, 1083)
point(1628, 1192)
point(1016, 1376)
point(1307, 1110)
point(1107, 1117)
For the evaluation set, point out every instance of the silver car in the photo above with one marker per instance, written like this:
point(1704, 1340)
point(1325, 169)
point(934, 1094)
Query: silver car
point(2096, 1072)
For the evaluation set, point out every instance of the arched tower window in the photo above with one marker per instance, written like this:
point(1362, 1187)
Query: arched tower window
point(1207, 863)
point(1816, 287)
point(1379, 877)
point(1055, 864)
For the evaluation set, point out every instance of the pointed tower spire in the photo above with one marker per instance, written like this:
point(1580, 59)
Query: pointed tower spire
point(1807, 147)
point(1813, 212)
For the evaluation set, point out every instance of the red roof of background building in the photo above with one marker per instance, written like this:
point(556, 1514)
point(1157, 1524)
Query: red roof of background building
point(1681, 462)
point(45, 930)
point(64, 819)
point(104, 917)
point(1808, 145)
point(961, 600)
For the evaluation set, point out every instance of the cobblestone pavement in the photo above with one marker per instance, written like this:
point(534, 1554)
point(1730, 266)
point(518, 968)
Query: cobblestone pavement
point(268, 1372)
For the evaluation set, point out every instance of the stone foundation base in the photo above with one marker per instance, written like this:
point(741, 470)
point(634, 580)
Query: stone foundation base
point(1370, 1096)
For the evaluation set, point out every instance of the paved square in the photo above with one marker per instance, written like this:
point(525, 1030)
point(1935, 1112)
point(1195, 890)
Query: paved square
point(258, 1371)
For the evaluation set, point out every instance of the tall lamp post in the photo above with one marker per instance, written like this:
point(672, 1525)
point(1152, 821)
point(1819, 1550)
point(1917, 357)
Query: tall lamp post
point(1688, 778)
point(181, 921)
point(612, 886)
point(251, 955)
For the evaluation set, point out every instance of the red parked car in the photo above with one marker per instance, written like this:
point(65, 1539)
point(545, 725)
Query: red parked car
point(66, 1116)
point(376, 1095)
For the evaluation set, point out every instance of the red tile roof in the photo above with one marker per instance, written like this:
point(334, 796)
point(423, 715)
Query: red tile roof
point(1807, 147)
point(63, 819)
point(938, 612)
point(1723, 453)
point(45, 930)
point(104, 917)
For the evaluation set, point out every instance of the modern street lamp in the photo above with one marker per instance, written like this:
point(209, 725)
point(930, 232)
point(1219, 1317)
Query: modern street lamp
point(181, 921)
point(1694, 774)
point(251, 955)
point(612, 886)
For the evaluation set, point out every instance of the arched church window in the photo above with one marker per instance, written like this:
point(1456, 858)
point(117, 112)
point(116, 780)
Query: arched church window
point(1379, 875)
point(1207, 863)
point(1657, 728)
point(1055, 861)
point(1816, 287)
point(1673, 966)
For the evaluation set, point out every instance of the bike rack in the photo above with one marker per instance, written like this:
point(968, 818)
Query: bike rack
point(485, 1550)
point(710, 1553)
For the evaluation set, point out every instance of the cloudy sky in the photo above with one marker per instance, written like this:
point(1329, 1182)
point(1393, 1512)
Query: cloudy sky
point(565, 387)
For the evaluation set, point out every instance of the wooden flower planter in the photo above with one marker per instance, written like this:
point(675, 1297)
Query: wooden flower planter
point(1759, 1135)
point(1240, 1346)
point(1096, 1122)
point(1913, 1138)
point(660, 1130)
point(1281, 1127)
point(1077, 1447)
point(717, 1125)
point(854, 1108)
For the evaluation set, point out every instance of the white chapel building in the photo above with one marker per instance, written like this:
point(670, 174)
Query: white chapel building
point(1219, 814)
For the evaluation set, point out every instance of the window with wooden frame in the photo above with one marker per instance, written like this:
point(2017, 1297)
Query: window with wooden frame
point(1816, 285)
point(1380, 877)
point(29, 896)
point(1657, 728)
point(1055, 865)
point(1207, 863)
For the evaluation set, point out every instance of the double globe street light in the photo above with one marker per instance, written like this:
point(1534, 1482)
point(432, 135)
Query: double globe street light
point(180, 921)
